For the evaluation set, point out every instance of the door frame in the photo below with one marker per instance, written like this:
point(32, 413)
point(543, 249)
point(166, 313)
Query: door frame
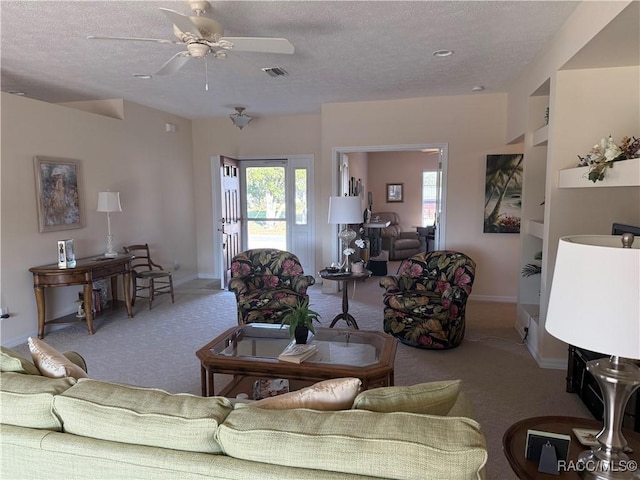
point(337, 152)
point(215, 202)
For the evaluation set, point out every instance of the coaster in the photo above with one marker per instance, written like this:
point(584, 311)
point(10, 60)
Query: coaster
point(586, 437)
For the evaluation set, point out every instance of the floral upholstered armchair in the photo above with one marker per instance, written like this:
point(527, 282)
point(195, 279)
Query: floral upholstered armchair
point(424, 305)
point(266, 282)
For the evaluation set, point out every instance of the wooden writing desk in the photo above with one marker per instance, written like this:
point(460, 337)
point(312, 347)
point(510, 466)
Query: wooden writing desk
point(86, 271)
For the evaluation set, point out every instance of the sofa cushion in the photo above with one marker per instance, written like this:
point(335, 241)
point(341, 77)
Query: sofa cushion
point(51, 362)
point(334, 394)
point(357, 442)
point(143, 416)
point(12, 361)
point(434, 398)
point(27, 400)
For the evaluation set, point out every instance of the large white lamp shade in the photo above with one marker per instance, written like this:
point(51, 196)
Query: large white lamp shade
point(595, 295)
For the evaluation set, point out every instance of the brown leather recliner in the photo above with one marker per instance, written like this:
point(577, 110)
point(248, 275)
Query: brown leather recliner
point(399, 244)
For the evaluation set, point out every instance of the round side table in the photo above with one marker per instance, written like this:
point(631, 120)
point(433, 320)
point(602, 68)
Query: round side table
point(515, 439)
point(345, 277)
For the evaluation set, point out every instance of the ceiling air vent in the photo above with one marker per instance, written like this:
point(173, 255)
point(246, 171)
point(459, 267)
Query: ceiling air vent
point(275, 71)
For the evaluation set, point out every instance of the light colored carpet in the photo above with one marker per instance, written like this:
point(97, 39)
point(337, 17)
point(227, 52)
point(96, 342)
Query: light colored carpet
point(157, 349)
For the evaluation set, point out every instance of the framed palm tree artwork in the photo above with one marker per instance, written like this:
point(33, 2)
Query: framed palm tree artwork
point(503, 193)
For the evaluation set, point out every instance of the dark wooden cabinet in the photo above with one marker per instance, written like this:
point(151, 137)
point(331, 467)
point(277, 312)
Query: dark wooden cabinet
point(580, 381)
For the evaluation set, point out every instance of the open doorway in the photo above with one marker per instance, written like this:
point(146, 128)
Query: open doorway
point(275, 222)
point(397, 157)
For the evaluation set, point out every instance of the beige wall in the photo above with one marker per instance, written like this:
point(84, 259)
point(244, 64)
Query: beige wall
point(585, 23)
point(285, 135)
point(405, 168)
point(473, 126)
point(150, 168)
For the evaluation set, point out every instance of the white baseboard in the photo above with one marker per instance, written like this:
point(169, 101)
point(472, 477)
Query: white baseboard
point(552, 363)
point(185, 279)
point(208, 276)
point(493, 298)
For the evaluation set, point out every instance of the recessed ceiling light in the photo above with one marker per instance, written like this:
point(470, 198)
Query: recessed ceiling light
point(17, 92)
point(442, 53)
point(477, 88)
point(143, 76)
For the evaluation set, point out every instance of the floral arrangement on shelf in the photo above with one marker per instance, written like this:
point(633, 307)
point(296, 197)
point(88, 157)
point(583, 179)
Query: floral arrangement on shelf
point(604, 154)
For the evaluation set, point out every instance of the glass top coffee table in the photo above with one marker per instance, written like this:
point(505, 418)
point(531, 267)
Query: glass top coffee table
point(251, 351)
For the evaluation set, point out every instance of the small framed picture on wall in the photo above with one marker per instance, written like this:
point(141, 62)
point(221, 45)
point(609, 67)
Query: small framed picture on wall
point(395, 192)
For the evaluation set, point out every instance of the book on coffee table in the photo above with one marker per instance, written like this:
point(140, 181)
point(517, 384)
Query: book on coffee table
point(269, 387)
point(297, 352)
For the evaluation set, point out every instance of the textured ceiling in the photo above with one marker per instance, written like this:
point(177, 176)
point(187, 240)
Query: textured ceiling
point(344, 51)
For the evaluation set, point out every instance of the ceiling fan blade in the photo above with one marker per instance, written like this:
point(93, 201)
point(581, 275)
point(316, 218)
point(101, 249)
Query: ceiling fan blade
point(184, 23)
point(260, 44)
point(174, 64)
point(156, 40)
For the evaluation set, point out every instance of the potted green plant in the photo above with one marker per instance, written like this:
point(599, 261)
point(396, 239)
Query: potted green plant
point(300, 319)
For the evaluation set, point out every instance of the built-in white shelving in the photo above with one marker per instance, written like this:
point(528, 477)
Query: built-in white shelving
point(625, 173)
point(532, 309)
point(540, 136)
point(536, 228)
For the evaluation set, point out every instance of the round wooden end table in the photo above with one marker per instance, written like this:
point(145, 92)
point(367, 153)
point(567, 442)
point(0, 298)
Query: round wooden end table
point(515, 439)
point(345, 277)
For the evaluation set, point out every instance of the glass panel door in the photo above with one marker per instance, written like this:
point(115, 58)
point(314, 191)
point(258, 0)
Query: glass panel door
point(266, 206)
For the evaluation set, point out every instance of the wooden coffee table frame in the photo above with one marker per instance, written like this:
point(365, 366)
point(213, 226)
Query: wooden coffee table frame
point(245, 369)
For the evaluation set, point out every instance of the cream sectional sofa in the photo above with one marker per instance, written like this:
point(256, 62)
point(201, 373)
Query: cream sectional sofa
point(62, 428)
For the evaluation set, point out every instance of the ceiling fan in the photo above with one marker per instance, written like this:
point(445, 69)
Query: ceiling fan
point(203, 36)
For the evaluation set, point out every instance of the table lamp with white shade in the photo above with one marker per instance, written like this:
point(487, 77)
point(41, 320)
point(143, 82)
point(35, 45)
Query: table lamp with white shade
point(109, 202)
point(595, 304)
point(345, 210)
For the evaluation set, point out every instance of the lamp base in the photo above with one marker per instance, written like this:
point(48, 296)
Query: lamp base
point(594, 468)
point(111, 253)
point(618, 379)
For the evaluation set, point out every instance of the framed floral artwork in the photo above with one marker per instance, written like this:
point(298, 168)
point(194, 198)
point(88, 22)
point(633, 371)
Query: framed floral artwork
point(395, 192)
point(58, 194)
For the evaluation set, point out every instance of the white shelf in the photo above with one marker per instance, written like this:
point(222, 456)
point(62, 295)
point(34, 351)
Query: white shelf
point(536, 228)
point(540, 136)
point(625, 173)
point(533, 310)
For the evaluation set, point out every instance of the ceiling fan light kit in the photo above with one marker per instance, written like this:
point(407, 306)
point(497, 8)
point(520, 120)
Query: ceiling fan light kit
point(239, 118)
point(202, 36)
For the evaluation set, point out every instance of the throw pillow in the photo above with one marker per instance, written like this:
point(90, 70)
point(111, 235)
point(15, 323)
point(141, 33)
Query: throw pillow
point(51, 362)
point(335, 394)
point(435, 398)
point(12, 361)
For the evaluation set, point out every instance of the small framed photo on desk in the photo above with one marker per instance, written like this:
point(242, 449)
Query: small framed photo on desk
point(394, 192)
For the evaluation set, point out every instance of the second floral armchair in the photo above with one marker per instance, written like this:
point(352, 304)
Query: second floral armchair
point(266, 282)
point(425, 304)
